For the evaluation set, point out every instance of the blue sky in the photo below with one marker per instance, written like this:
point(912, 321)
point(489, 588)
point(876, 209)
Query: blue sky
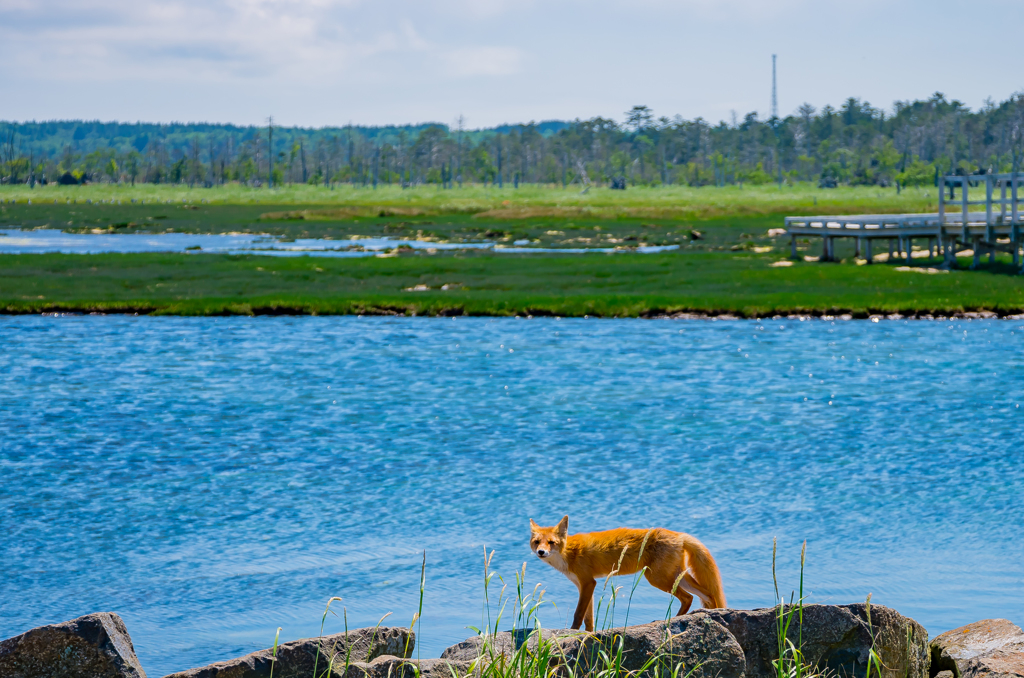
point(330, 62)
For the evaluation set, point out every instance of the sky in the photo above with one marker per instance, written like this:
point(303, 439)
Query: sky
point(374, 62)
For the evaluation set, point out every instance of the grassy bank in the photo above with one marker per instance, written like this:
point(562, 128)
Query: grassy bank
point(630, 285)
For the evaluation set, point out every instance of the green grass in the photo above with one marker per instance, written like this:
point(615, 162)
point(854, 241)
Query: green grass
point(698, 219)
point(601, 654)
point(624, 285)
point(718, 233)
point(641, 202)
point(723, 264)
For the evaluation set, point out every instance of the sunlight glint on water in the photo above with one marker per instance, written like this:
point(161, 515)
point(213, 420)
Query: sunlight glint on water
point(213, 479)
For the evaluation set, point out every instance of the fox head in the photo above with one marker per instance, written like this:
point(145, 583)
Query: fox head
point(546, 541)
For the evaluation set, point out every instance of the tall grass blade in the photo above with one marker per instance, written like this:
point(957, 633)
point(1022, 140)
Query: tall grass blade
point(273, 659)
point(319, 638)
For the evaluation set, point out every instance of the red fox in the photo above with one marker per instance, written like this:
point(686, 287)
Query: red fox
point(675, 562)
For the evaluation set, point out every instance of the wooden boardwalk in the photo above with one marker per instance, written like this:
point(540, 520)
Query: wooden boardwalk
point(954, 229)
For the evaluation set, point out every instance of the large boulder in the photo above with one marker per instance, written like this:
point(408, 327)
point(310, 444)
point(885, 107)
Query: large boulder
point(94, 646)
point(992, 648)
point(397, 667)
point(299, 658)
point(834, 638)
point(503, 643)
point(698, 645)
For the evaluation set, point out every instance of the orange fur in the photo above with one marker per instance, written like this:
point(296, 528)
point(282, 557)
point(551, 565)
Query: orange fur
point(674, 562)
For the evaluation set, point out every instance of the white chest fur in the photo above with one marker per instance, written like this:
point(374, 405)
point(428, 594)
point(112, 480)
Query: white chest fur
point(556, 561)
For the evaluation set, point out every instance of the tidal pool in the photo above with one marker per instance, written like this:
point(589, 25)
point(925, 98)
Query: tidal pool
point(39, 241)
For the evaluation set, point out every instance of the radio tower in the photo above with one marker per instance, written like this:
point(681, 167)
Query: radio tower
point(775, 98)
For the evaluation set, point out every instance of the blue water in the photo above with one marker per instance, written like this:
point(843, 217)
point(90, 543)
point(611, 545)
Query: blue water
point(213, 479)
point(38, 241)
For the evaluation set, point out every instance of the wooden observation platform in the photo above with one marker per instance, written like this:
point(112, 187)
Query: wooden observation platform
point(980, 226)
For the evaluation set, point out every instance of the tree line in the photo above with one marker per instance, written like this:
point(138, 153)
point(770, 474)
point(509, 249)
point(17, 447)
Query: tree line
point(855, 144)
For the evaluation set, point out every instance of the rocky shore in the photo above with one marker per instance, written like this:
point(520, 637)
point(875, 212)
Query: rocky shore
point(838, 641)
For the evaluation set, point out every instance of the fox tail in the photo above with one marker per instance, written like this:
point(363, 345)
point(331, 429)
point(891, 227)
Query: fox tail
point(705, 571)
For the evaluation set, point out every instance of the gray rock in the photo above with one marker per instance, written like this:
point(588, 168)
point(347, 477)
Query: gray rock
point(687, 640)
point(299, 658)
point(835, 638)
point(702, 647)
point(396, 667)
point(503, 643)
point(94, 646)
point(992, 648)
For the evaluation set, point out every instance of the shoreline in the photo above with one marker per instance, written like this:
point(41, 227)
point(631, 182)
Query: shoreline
point(848, 639)
point(692, 285)
point(98, 309)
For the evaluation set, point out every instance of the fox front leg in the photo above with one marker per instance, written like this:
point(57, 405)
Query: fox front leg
point(584, 609)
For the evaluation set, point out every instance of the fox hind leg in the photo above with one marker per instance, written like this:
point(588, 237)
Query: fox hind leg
point(665, 582)
point(693, 586)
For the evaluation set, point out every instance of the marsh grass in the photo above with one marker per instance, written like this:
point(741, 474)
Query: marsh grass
point(874, 661)
point(600, 654)
point(331, 652)
point(728, 226)
point(419, 609)
point(532, 654)
point(791, 661)
point(626, 285)
point(320, 637)
point(528, 201)
point(273, 658)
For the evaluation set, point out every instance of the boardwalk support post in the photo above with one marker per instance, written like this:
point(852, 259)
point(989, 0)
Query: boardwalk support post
point(965, 214)
point(954, 229)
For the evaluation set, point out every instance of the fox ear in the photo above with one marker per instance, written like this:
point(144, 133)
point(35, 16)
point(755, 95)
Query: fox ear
point(533, 525)
point(563, 525)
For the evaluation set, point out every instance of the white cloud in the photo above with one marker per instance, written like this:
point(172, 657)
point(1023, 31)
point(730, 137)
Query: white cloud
point(485, 8)
point(222, 40)
point(473, 61)
point(734, 10)
point(393, 61)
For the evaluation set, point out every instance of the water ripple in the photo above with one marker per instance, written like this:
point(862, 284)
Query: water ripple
point(212, 479)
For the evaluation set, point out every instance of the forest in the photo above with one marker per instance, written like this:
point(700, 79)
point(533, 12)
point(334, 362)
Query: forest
point(855, 144)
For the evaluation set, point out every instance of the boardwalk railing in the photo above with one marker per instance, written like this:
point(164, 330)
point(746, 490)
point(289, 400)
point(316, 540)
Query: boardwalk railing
point(997, 227)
